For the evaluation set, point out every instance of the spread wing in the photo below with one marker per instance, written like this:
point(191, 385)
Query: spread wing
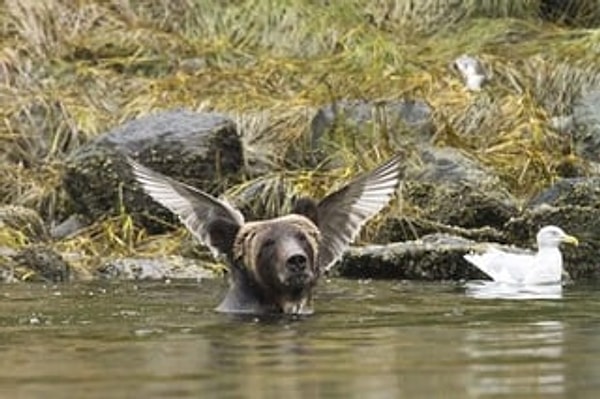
point(196, 209)
point(343, 213)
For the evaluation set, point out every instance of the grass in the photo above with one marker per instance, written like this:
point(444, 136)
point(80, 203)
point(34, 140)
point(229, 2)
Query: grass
point(70, 70)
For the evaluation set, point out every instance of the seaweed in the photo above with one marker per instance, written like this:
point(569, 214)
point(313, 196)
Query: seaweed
point(70, 70)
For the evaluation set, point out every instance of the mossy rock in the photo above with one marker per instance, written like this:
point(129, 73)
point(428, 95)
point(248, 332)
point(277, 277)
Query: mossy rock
point(357, 124)
point(20, 225)
point(570, 192)
point(172, 267)
point(445, 191)
point(464, 206)
point(408, 228)
point(201, 149)
point(433, 258)
point(41, 263)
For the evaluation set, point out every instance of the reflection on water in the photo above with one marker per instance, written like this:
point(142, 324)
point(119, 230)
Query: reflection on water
point(528, 359)
point(483, 289)
point(366, 340)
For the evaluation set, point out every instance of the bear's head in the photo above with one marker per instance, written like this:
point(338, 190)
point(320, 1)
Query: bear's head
point(280, 258)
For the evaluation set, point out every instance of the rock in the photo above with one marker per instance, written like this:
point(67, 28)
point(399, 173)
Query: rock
point(41, 263)
point(7, 265)
point(201, 149)
point(448, 165)
point(21, 224)
point(569, 192)
point(358, 116)
point(434, 257)
point(586, 113)
point(581, 221)
point(408, 228)
point(464, 205)
point(443, 190)
point(68, 227)
point(173, 267)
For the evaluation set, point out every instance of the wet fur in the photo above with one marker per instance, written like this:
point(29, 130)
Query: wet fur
point(258, 275)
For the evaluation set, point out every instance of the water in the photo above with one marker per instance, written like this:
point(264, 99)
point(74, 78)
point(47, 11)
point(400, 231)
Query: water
point(366, 340)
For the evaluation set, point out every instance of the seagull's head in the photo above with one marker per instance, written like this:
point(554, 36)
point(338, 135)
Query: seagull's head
point(553, 236)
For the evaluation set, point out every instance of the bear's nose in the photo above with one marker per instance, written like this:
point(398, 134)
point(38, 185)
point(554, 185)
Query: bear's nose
point(297, 263)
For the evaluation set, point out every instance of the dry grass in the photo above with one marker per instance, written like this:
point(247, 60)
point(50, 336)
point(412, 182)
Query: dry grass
point(70, 70)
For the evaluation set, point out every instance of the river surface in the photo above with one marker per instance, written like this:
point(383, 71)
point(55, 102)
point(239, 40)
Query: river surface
point(366, 340)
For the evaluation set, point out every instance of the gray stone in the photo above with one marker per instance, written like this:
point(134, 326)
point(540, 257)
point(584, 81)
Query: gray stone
point(444, 190)
point(68, 227)
point(433, 258)
point(42, 263)
point(465, 205)
point(448, 165)
point(408, 228)
point(569, 192)
point(357, 116)
point(201, 149)
point(173, 267)
point(586, 112)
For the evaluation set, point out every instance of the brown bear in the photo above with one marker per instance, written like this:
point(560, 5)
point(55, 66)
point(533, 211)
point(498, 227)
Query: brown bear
point(275, 264)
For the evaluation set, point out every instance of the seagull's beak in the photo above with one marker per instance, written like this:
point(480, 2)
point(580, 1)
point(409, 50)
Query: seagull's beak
point(570, 240)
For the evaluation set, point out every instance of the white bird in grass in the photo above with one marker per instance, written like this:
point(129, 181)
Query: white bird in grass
point(543, 267)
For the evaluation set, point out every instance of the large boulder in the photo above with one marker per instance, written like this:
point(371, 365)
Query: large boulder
point(201, 149)
point(164, 268)
point(444, 189)
point(432, 258)
point(359, 121)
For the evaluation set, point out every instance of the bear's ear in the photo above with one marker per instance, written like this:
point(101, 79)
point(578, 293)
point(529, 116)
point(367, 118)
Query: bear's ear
point(307, 207)
point(221, 235)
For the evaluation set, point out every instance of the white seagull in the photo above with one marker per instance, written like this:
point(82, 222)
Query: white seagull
point(543, 267)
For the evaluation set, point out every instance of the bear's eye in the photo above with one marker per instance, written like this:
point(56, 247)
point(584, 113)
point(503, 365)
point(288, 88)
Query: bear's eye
point(301, 237)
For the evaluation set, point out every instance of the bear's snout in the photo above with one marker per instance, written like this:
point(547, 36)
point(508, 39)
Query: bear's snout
point(297, 263)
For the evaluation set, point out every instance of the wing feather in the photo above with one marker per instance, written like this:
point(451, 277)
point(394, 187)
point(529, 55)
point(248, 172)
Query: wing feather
point(343, 213)
point(194, 208)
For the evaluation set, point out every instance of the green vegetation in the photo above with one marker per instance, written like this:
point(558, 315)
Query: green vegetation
point(70, 70)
